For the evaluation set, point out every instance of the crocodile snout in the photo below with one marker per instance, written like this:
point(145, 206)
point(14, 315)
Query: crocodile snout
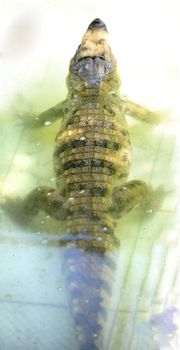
point(97, 24)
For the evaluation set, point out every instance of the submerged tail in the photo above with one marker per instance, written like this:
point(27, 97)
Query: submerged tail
point(86, 277)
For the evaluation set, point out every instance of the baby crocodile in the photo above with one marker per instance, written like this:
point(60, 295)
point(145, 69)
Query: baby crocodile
point(91, 163)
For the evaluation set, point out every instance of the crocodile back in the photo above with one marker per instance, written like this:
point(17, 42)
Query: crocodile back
point(91, 157)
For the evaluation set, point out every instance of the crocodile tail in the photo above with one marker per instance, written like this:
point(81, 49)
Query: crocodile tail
point(86, 274)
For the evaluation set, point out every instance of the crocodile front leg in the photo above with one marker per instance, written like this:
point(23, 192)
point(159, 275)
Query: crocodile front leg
point(41, 198)
point(51, 114)
point(143, 114)
point(132, 194)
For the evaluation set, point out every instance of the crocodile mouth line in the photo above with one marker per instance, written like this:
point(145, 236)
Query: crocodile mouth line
point(91, 57)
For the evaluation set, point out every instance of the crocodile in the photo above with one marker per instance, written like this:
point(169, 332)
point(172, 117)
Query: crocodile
point(92, 159)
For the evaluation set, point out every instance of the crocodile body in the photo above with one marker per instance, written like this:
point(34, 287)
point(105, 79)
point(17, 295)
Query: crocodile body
point(92, 155)
point(91, 162)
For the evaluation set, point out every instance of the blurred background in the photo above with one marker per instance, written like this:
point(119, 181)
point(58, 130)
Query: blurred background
point(37, 40)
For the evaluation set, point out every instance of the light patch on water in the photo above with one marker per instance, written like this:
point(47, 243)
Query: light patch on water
point(21, 161)
point(14, 182)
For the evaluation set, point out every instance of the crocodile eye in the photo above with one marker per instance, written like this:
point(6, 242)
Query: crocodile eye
point(101, 41)
point(84, 48)
point(101, 57)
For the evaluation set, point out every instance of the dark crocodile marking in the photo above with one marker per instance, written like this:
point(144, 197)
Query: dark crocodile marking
point(90, 143)
point(93, 163)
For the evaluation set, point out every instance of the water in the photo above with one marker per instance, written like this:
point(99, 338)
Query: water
point(34, 306)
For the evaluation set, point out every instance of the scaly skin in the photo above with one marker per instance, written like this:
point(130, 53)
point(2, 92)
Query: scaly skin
point(91, 163)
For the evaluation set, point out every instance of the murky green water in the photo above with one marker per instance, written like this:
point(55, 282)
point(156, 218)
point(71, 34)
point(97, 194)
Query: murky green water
point(143, 311)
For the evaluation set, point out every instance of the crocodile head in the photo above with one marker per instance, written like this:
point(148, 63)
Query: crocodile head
point(93, 60)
